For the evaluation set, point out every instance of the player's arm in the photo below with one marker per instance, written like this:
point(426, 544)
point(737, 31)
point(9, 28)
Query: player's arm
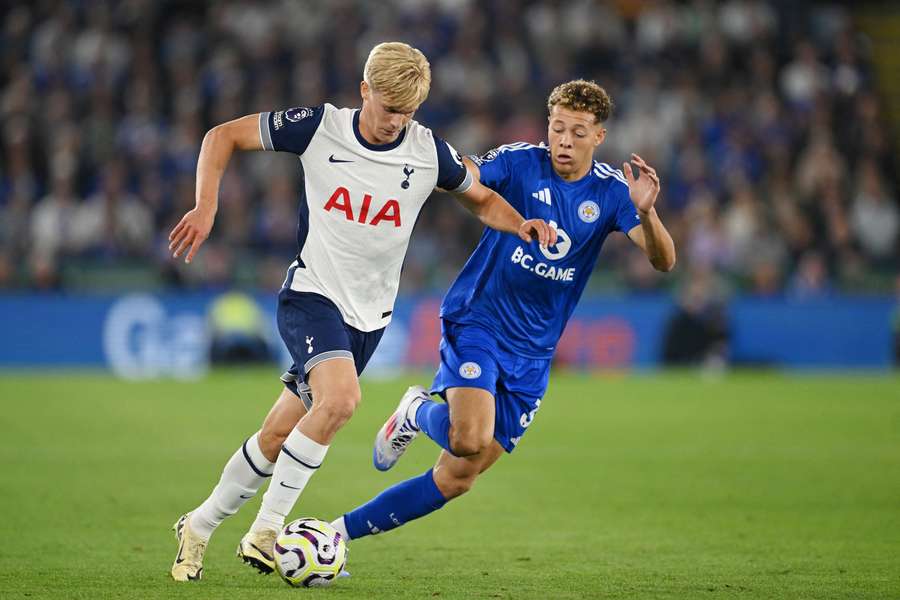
point(218, 145)
point(651, 235)
point(463, 180)
point(493, 210)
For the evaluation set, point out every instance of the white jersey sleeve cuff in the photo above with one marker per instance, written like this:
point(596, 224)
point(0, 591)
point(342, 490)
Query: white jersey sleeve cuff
point(466, 184)
point(265, 136)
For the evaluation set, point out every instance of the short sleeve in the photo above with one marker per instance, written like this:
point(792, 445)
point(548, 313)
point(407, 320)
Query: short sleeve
point(494, 168)
point(289, 130)
point(626, 214)
point(453, 175)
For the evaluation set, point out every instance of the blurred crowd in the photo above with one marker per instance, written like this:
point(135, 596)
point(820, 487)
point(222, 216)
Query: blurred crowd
point(763, 119)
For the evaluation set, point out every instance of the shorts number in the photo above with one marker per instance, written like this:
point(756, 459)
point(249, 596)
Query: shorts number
point(528, 417)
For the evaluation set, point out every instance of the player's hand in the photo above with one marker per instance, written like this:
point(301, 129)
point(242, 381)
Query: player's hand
point(537, 229)
point(643, 191)
point(191, 231)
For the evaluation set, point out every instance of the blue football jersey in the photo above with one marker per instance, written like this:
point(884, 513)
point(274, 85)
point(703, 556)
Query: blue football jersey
point(523, 293)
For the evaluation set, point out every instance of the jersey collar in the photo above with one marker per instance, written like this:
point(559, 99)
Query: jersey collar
point(375, 147)
point(556, 178)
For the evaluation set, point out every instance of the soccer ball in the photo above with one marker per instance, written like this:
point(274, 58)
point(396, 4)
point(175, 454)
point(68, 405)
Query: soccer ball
point(309, 553)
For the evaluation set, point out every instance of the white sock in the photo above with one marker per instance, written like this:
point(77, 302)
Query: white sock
point(341, 528)
point(241, 479)
point(299, 458)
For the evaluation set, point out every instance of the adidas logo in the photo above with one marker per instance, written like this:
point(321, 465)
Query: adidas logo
point(542, 196)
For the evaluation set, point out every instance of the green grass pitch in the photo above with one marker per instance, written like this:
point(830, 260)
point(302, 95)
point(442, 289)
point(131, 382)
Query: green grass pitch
point(756, 485)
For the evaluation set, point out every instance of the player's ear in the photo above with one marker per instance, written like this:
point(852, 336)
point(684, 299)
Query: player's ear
point(364, 90)
point(601, 135)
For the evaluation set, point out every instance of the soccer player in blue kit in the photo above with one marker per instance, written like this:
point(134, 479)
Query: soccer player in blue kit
point(504, 314)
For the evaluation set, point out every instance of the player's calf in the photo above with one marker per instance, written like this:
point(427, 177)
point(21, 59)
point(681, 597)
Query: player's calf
point(281, 420)
point(454, 475)
point(300, 457)
point(453, 485)
point(270, 442)
point(395, 506)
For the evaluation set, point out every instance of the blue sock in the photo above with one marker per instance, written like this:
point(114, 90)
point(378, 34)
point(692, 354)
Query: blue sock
point(395, 506)
point(434, 419)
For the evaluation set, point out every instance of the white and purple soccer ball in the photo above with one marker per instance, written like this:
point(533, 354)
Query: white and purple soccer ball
point(309, 553)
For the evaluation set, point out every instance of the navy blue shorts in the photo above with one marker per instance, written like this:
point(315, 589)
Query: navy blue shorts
point(471, 357)
point(314, 331)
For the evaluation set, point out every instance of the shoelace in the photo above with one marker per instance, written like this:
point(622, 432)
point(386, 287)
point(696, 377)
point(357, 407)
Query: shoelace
point(404, 436)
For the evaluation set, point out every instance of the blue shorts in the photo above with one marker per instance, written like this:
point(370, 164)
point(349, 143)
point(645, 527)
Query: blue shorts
point(314, 331)
point(471, 357)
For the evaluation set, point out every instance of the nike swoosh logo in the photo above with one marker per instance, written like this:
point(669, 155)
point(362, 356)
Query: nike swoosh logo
point(332, 159)
point(261, 551)
point(283, 484)
point(180, 527)
point(246, 497)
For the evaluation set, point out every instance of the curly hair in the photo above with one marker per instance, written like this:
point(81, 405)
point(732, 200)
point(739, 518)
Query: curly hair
point(582, 96)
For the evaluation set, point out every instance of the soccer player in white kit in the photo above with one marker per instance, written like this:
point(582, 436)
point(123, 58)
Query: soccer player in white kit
point(366, 174)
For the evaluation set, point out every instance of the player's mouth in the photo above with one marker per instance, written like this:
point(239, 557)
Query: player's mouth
point(563, 158)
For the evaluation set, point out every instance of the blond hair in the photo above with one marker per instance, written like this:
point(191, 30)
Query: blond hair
point(400, 73)
point(582, 96)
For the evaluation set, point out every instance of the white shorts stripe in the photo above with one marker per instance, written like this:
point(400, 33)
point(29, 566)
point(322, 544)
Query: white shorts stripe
point(308, 365)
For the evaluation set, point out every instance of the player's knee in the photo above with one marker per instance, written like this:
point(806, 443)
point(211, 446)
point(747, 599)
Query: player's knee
point(338, 407)
point(467, 441)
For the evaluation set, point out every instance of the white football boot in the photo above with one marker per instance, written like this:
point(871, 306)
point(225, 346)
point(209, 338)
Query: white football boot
point(257, 549)
point(399, 430)
point(188, 565)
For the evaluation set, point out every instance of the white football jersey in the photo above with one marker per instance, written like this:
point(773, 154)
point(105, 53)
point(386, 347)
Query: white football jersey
point(358, 204)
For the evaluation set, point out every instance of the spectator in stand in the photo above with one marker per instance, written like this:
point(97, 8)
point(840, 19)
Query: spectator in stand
point(764, 118)
point(875, 219)
point(697, 332)
point(113, 222)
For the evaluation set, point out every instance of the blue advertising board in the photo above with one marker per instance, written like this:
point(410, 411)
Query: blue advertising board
point(139, 336)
